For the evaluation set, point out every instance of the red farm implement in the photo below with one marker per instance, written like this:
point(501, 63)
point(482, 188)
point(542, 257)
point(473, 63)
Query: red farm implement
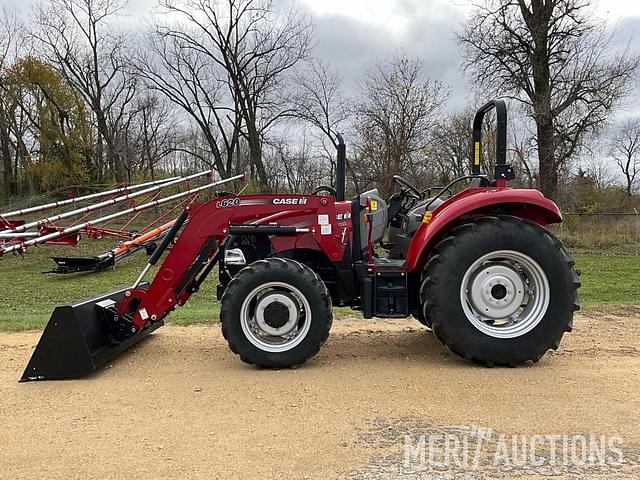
point(6, 225)
point(50, 231)
point(147, 241)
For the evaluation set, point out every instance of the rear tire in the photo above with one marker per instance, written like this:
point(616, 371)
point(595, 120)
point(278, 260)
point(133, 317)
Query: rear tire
point(421, 315)
point(276, 313)
point(500, 291)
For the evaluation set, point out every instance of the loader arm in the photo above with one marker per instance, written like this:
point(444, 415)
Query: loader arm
point(83, 335)
point(198, 247)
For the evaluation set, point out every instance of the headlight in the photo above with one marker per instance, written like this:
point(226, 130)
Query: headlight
point(234, 256)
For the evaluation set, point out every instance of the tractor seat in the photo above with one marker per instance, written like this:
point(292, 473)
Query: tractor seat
point(378, 219)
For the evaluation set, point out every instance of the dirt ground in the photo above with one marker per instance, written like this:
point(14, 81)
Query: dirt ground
point(180, 405)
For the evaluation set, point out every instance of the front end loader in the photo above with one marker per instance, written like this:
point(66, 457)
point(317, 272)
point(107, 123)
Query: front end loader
point(478, 267)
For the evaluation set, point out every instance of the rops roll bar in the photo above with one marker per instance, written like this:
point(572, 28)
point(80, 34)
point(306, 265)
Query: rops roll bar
point(503, 171)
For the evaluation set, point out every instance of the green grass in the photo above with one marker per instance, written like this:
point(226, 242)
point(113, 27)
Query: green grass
point(29, 297)
point(609, 280)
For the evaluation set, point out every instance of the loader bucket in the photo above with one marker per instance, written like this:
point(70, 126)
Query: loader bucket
point(78, 339)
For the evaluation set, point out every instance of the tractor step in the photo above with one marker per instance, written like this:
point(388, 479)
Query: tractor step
point(391, 297)
point(81, 337)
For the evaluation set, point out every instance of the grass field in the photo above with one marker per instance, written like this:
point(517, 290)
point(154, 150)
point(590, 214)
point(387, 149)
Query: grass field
point(29, 297)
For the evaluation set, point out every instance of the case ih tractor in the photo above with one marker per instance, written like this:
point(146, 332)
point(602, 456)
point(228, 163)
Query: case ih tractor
point(478, 267)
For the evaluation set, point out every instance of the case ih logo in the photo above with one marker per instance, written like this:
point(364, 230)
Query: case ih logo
point(289, 201)
point(228, 202)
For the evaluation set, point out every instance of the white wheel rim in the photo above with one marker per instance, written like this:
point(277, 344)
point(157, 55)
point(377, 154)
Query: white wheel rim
point(505, 294)
point(275, 338)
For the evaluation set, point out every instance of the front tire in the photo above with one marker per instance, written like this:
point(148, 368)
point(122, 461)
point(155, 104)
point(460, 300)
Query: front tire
point(500, 291)
point(276, 313)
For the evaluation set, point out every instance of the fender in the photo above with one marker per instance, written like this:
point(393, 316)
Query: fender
point(523, 203)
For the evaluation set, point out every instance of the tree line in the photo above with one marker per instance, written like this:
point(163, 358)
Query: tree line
point(87, 98)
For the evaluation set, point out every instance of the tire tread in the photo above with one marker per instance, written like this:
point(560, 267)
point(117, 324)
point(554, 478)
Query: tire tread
point(430, 293)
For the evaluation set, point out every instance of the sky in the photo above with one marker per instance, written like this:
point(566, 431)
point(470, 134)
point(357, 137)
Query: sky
point(353, 34)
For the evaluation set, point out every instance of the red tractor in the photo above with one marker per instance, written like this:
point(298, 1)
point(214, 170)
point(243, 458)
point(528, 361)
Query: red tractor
point(478, 267)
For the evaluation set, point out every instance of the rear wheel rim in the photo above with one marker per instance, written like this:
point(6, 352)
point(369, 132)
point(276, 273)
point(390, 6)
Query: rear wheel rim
point(275, 317)
point(505, 294)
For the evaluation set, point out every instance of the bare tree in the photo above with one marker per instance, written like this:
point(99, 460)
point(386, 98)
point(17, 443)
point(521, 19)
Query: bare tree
point(145, 134)
point(550, 55)
point(395, 116)
point(191, 152)
point(625, 149)
point(521, 152)
point(79, 38)
point(450, 146)
point(192, 79)
point(255, 46)
point(523, 147)
point(598, 169)
point(157, 131)
point(11, 41)
point(319, 102)
point(295, 169)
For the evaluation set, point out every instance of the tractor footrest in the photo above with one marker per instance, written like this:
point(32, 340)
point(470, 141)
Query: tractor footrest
point(391, 298)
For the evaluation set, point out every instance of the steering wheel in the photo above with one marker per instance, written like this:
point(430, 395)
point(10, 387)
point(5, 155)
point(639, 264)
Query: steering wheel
point(408, 187)
point(324, 188)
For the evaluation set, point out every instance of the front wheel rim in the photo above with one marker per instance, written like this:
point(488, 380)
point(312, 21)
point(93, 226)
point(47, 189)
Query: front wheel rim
point(505, 294)
point(293, 308)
